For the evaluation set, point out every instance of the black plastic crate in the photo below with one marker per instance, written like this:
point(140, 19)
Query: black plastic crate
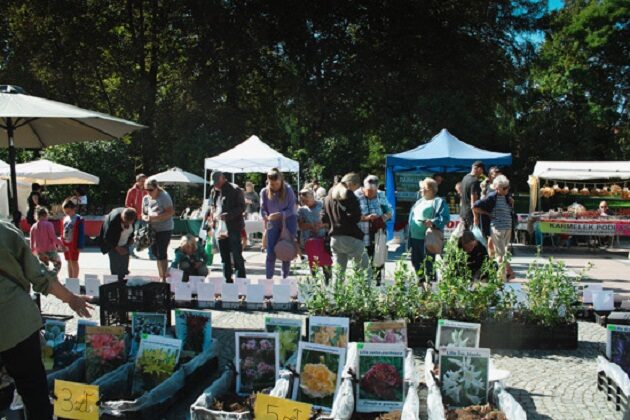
point(614, 393)
point(149, 297)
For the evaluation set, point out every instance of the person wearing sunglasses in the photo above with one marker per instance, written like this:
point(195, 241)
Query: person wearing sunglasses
point(158, 211)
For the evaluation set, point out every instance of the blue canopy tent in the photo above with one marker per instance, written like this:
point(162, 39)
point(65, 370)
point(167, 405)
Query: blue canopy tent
point(444, 153)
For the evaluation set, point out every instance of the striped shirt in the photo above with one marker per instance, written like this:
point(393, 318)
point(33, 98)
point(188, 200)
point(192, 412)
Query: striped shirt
point(368, 206)
point(502, 214)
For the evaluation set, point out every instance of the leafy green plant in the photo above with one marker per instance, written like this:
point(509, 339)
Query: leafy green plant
point(551, 293)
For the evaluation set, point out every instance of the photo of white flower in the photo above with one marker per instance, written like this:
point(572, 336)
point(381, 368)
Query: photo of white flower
point(464, 376)
point(457, 334)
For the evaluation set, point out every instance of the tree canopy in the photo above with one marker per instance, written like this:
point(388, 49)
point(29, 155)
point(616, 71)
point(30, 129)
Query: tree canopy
point(335, 85)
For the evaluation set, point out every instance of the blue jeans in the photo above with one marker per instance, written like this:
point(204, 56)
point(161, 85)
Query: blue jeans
point(418, 258)
point(274, 229)
point(119, 264)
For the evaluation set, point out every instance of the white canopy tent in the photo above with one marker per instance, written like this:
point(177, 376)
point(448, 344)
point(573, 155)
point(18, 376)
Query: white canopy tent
point(45, 172)
point(253, 155)
point(575, 171)
point(23, 190)
point(582, 170)
point(177, 176)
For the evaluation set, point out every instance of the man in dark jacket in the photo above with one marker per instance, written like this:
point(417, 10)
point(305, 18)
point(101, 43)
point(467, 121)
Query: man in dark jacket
point(227, 203)
point(343, 213)
point(115, 238)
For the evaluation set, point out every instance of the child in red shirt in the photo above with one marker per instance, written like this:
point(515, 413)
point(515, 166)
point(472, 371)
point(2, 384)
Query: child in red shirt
point(72, 237)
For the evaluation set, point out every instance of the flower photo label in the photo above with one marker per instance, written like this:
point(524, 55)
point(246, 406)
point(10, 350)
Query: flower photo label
point(618, 345)
point(145, 323)
point(156, 361)
point(457, 334)
point(386, 332)
point(104, 351)
point(380, 376)
point(320, 368)
point(194, 328)
point(329, 331)
point(289, 334)
point(257, 361)
point(464, 376)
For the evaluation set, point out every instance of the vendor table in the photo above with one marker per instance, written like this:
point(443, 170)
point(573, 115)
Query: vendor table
point(586, 227)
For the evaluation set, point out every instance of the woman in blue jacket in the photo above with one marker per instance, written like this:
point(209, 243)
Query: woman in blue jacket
point(429, 211)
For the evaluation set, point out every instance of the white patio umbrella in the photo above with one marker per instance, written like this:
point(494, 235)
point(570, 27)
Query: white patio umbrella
point(33, 122)
point(45, 172)
point(177, 176)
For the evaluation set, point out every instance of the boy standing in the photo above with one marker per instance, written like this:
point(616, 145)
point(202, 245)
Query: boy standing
point(72, 237)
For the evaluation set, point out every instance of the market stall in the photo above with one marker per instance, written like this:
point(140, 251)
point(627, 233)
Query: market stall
point(444, 153)
point(565, 199)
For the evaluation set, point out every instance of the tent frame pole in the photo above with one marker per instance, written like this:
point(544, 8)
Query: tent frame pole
point(14, 200)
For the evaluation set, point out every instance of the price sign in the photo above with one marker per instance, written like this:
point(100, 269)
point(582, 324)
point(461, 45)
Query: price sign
point(272, 408)
point(75, 400)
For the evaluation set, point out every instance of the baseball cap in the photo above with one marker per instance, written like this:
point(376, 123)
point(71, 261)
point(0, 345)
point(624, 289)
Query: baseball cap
point(216, 177)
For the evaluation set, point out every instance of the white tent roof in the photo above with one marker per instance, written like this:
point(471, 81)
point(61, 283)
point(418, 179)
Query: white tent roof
point(46, 172)
point(251, 156)
point(177, 176)
point(583, 170)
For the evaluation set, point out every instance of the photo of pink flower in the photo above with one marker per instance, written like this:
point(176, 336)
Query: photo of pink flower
point(104, 351)
point(257, 361)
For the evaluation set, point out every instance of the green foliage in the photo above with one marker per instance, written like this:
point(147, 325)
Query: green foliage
point(457, 296)
point(551, 293)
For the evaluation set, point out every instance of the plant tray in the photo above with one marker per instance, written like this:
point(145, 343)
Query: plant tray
point(154, 403)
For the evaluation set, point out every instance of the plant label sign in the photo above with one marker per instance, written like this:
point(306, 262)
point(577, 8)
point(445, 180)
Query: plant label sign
point(320, 369)
point(386, 332)
point(194, 282)
point(229, 293)
point(194, 328)
point(381, 377)
point(464, 376)
point(273, 408)
point(73, 285)
point(289, 332)
point(329, 331)
point(75, 400)
point(183, 292)
point(281, 293)
point(205, 292)
point(603, 300)
point(92, 286)
point(242, 284)
point(457, 334)
point(156, 361)
point(618, 346)
point(175, 275)
point(587, 291)
point(257, 361)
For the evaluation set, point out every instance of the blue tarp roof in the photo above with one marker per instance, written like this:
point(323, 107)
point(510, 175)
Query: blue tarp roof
point(445, 153)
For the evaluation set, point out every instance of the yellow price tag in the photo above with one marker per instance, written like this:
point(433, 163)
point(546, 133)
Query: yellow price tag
point(74, 400)
point(273, 408)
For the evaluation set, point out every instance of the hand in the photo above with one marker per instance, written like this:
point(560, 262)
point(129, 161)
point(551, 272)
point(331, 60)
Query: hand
point(223, 216)
point(275, 216)
point(197, 264)
point(79, 305)
point(248, 201)
point(428, 223)
point(146, 218)
point(121, 250)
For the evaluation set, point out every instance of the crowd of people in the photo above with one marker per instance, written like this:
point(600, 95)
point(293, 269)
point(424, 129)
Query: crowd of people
point(347, 223)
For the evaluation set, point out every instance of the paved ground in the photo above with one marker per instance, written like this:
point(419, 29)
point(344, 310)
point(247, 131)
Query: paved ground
point(549, 385)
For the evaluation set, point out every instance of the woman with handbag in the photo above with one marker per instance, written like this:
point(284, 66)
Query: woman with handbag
point(278, 209)
point(427, 219)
